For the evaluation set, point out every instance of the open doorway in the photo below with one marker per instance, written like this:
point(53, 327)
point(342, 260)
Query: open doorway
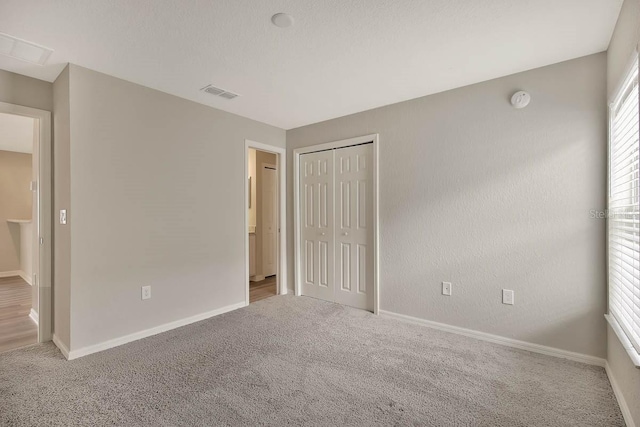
point(18, 209)
point(264, 203)
point(263, 224)
point(25, 226)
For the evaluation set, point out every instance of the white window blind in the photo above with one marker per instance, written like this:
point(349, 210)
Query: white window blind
point(623, 208)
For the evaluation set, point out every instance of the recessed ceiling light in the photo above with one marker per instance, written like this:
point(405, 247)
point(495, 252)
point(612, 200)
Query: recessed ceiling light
point(23, 50)
point(282, 20)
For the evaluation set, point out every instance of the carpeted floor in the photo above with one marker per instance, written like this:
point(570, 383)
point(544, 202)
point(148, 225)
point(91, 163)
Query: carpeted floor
point(300, 361)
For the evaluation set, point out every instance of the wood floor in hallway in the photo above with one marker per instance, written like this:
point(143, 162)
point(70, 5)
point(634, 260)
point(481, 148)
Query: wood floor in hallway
point(263, 289)
point(16, 327)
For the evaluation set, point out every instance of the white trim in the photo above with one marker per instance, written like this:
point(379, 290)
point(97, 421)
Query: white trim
point(15, 273)
point(33, 315)
point(622, 403)
point(63, 348)
point(257, 278)
point(281, 166)
point(296, 208)
point(627, 68)
point(74, 354)
point(496, 339)
point(26, 278)
point(624, 340)
point(42, 252)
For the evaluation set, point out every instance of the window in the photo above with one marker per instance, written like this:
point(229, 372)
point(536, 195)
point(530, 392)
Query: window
point(623, 208)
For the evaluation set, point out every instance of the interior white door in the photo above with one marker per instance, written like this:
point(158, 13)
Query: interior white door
point(336, 225)
point(354, 226)
point(269, 220)
point(316, 224)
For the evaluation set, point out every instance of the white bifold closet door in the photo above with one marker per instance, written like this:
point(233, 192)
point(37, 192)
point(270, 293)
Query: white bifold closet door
point(336, 225)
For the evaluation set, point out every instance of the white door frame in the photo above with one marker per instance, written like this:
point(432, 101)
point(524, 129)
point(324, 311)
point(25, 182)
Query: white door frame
point(43, 223)
point(281, 166)
point(296, 208)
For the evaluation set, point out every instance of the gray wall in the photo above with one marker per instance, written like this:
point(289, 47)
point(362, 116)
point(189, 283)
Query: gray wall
point(625, 38)
point(61, 200)
point(15, 203)
point(25, 91)
point(157, 198)
point(478, 193)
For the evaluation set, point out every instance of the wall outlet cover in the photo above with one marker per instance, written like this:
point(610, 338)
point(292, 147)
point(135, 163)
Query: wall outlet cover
point(146, 292)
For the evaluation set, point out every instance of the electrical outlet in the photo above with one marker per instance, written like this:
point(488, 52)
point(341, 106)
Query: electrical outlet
point(63, 216)
point(507, 296)
point(146, 292)
point(446, 288)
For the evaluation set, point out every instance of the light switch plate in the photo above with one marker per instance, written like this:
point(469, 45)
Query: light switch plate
point(507, 296)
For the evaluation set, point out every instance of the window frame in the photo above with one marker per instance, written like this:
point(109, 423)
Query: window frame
point(630, 343)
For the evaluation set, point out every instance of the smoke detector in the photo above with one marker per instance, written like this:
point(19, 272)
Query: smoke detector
point(520, 99)
point(23, 50)
point(222, 93)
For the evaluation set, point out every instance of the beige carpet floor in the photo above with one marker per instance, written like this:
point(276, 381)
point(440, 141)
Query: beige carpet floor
point(300, 361)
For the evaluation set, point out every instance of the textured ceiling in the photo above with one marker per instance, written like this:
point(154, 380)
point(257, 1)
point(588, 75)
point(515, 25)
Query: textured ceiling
point(340, 57)
point(16, 133)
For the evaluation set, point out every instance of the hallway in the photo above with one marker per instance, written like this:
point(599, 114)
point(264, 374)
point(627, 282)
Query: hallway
point(263, 289)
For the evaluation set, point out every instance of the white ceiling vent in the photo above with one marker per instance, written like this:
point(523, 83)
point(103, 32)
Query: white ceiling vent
point(23, 50)
point(219, 92)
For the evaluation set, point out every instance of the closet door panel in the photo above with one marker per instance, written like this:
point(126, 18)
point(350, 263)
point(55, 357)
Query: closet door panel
point(316, 225)
point(354, 226)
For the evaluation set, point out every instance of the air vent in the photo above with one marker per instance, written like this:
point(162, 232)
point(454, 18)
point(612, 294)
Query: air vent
point(23, 50)
point(219, 92)
point(228, 95)
point(213, 90)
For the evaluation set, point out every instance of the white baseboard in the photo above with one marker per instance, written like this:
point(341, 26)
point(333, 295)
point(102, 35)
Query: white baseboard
point(509, 342)
point(63, 348)
point(624, 408)
point(16, 273)
point(84, 351)
point(10, 273)
point(34, 316)
point(26, 278)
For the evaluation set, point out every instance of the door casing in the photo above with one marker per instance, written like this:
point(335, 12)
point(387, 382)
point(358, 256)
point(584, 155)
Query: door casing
point(374, 138)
